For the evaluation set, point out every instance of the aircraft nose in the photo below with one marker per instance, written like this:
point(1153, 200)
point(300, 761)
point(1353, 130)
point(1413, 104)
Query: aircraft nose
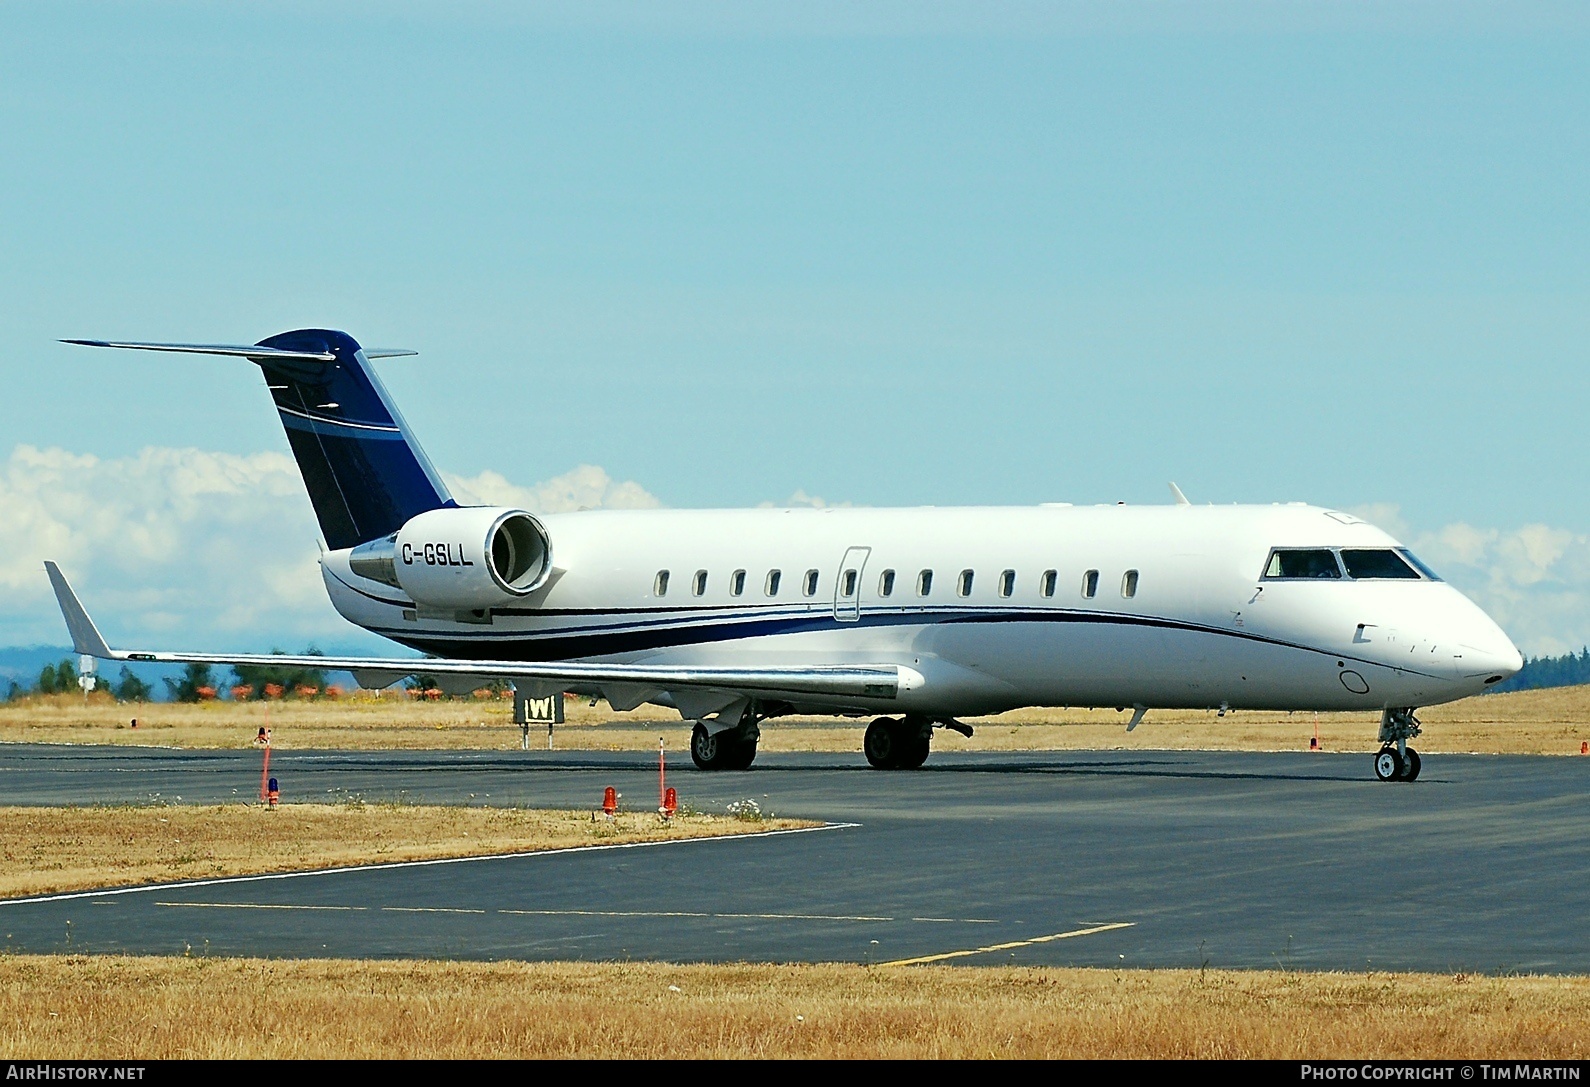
point(1503, 663)
point(1492, 660)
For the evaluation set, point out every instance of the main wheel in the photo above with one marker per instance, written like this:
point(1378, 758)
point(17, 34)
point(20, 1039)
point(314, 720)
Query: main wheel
point(1410, 769)
point(724, 750)
point(881, 744)
point(1388, 764)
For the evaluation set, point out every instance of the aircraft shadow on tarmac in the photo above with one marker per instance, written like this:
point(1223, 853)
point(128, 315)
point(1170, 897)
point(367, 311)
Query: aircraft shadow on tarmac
point(1129, 768)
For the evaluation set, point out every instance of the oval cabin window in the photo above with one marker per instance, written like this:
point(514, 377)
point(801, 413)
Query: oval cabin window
point(963, 584)
point(659, 587)
point(698, 584)
point(1007, 583)
point(810, 586)
point(924, 583)
point(1090, 584)
point(770, 587)
point(886, 583)
point(737, 583)
point(1129, 584)
point(1047, 583)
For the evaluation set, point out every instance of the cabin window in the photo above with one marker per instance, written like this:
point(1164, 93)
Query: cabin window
point(1377, 563)
point(886, 583)
point(848, 584)
point(1047, 582)
point(1310, 564)
point(924, 583)
point(737, 583)
point(698, 584)
point(963, 584)
point(810, 585)
point(1007, 583)
point(770, 587)
point(1129, 584)
point(1090, 584)
point(659, 586)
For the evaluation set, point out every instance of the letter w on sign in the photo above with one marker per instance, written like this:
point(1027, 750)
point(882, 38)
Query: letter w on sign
point(531, 709)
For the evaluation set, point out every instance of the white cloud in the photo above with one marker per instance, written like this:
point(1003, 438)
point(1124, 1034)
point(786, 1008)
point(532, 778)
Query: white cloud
point(194, 549)
point(1534, 580)
point(801, 498)
point(584, 488)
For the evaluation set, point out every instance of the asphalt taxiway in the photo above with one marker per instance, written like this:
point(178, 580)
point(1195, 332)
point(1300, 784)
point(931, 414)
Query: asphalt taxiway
point(1090, 858)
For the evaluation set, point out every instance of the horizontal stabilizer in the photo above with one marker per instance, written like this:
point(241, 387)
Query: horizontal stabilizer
point(243, 351)
point(848, 681)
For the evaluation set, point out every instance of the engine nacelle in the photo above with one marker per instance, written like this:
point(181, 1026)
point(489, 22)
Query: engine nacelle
point(464, 558)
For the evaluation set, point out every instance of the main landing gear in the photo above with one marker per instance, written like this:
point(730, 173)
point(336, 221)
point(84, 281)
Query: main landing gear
point(1396, 761)
point(728, 749)
point(892, 744)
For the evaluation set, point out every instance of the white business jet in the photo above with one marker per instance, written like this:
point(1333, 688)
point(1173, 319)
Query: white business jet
point(915, 617)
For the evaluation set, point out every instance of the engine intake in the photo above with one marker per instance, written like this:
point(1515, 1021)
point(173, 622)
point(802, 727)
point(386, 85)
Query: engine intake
point(466, 557)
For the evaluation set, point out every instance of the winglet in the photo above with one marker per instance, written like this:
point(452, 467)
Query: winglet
point(85, 636)
point(1181, 499)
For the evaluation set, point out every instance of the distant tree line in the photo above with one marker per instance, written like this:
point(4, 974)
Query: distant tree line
point(62, 679)
point(1564, 671)
point(197, 683)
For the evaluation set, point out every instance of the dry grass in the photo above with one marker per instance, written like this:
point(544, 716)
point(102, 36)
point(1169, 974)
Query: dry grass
point(63, 849)
point(149, 1008)
point(1546, 722)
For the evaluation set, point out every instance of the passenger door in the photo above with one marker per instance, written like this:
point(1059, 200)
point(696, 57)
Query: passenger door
point(847, 585)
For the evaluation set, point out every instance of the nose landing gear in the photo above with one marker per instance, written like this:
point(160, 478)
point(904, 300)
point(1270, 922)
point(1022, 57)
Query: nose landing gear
point(1396, 761)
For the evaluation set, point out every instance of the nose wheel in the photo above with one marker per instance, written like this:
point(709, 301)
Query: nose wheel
point(1394, 765)
point(1396, 761)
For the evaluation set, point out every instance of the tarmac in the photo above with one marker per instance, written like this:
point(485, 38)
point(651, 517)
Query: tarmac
point(1126, 859)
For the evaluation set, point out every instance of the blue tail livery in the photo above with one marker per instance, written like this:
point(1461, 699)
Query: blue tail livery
point(365, 473)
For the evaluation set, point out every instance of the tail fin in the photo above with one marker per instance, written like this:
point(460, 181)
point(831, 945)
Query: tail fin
point(365, 473)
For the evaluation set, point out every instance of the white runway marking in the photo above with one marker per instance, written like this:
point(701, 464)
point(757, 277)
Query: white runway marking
point(920, 959)
point(749, 916)
point(526, 855)
point(257, 906)
point(590, 913)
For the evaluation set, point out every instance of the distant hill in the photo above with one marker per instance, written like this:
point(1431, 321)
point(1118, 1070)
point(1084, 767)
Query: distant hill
point(1568, 670)
point(22, 664)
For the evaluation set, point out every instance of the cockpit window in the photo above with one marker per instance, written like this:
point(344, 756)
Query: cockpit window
point(1417, 565)
point(1380, 562)
point(1313, 562)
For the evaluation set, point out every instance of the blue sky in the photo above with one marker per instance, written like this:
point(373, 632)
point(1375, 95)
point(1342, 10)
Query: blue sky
point(891, 253)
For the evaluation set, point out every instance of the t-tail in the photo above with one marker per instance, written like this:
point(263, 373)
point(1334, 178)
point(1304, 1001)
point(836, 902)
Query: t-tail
point(365, 473)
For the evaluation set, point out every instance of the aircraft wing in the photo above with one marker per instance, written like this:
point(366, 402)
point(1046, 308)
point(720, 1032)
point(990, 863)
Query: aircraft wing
point(620, 683)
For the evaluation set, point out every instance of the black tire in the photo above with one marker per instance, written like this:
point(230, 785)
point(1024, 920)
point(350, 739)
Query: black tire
point(742, 754)
point(720, 750)
point(881, 744)
point(914, 751)
point(1388, 764)
point(1410, 770)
